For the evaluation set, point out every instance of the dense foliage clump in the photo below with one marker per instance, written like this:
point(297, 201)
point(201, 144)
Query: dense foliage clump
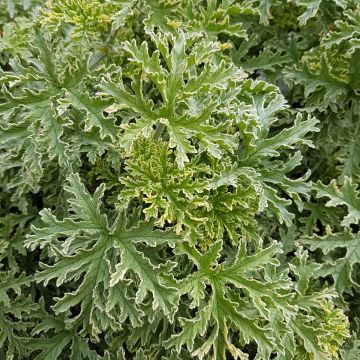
point(179, 179)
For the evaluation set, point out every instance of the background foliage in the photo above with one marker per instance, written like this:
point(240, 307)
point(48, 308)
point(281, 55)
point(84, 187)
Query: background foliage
point(179, 179)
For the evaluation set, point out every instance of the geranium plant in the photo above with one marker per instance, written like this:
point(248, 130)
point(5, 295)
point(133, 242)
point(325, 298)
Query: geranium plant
point(179, 179)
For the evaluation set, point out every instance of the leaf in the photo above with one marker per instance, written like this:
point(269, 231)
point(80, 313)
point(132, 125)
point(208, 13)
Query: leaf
point(266, 60)
point(165, 297)
point(52, 346)
point(209, 18)
point(88, 21)
point(312, 7)
point(101, 256)
point(186, 106)
point(346, 29)
point(346, 195)
point(259, 145)
point(16, 314)
point(264, 10)
point(351, 353)
point(45, 93)
point(309, 335)
point(10, 7)
point(341, 269)
point(222, 307)
point(287, 137)
point(321, 88)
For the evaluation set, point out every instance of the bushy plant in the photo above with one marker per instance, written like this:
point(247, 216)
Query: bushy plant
point(179, 179)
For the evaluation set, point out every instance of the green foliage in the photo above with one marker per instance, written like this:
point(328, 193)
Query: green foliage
point(179, 180)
